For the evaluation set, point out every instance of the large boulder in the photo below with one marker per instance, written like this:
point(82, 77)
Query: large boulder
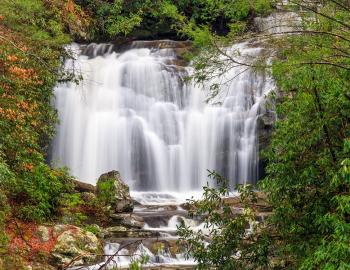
point(112, 191)
point(50, 247)
point(75, 247)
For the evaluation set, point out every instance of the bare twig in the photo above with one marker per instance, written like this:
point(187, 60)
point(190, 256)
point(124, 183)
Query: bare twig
point(347, 8)
point(305, 32)
point(321, 14)
point(104, 266)
point(107, 262)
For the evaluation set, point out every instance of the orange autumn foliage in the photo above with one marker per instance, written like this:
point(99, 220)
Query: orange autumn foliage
point(28, 166)
point(12, 58)
point(9, 114)
point(24, 236)
point(70, 7)
point(22, 73)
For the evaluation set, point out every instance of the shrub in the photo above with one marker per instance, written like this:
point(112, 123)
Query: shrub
point(35, 195)
point(106, 192)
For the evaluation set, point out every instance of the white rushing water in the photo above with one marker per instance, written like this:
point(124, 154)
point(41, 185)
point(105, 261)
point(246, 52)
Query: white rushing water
point(123, 259)
point(133, 112)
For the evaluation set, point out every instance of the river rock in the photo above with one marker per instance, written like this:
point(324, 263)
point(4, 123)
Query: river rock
point(127, 220)
point(161, 44)
point(157, 247)
point(75, 247)
point(116, 232)
point(172, 247)
point(188, 206)
point(83, 187)
point(111, 190)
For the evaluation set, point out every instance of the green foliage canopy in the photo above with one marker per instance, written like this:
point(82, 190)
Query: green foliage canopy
point(307, 179)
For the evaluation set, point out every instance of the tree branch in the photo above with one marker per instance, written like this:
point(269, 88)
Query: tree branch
point(321, 14)
point(306, 32)
point(340, 5)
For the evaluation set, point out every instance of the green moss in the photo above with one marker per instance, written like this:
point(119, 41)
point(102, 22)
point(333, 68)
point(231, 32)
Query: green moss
point(96, 230)
point(106, 192)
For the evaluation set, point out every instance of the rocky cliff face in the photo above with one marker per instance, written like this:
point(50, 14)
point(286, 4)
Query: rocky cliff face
point(274, 25)
point(265, 125)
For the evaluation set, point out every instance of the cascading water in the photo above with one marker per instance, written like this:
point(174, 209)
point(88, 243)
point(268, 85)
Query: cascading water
point(133, 112)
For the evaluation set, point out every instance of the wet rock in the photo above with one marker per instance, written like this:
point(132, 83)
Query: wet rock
point(136, 203)
point(157, 208)
point(127, 220)
point(188, 206)
point(261, 207)
point(93, 49)
point(261, 201)
point(116, 232)
point(83, 187)
point(267, 120)
point(159, 216)
point(233, 201)
point(75, 247)
point(173, 247)
point(178, 63)
point(157, 220)
point(111, 190)
point(157, 247)
point(160, 44)
point(176, 246)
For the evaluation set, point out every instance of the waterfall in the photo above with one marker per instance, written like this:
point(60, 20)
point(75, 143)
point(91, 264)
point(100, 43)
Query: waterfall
point(134, 112)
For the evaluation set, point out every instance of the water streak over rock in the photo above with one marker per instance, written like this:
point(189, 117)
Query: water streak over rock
point(135, 113)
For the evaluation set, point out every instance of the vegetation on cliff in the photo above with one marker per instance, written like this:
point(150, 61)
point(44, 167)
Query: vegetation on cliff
point(32, 36)
point(165, 18)
point(307, 174)
point(307, 182)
